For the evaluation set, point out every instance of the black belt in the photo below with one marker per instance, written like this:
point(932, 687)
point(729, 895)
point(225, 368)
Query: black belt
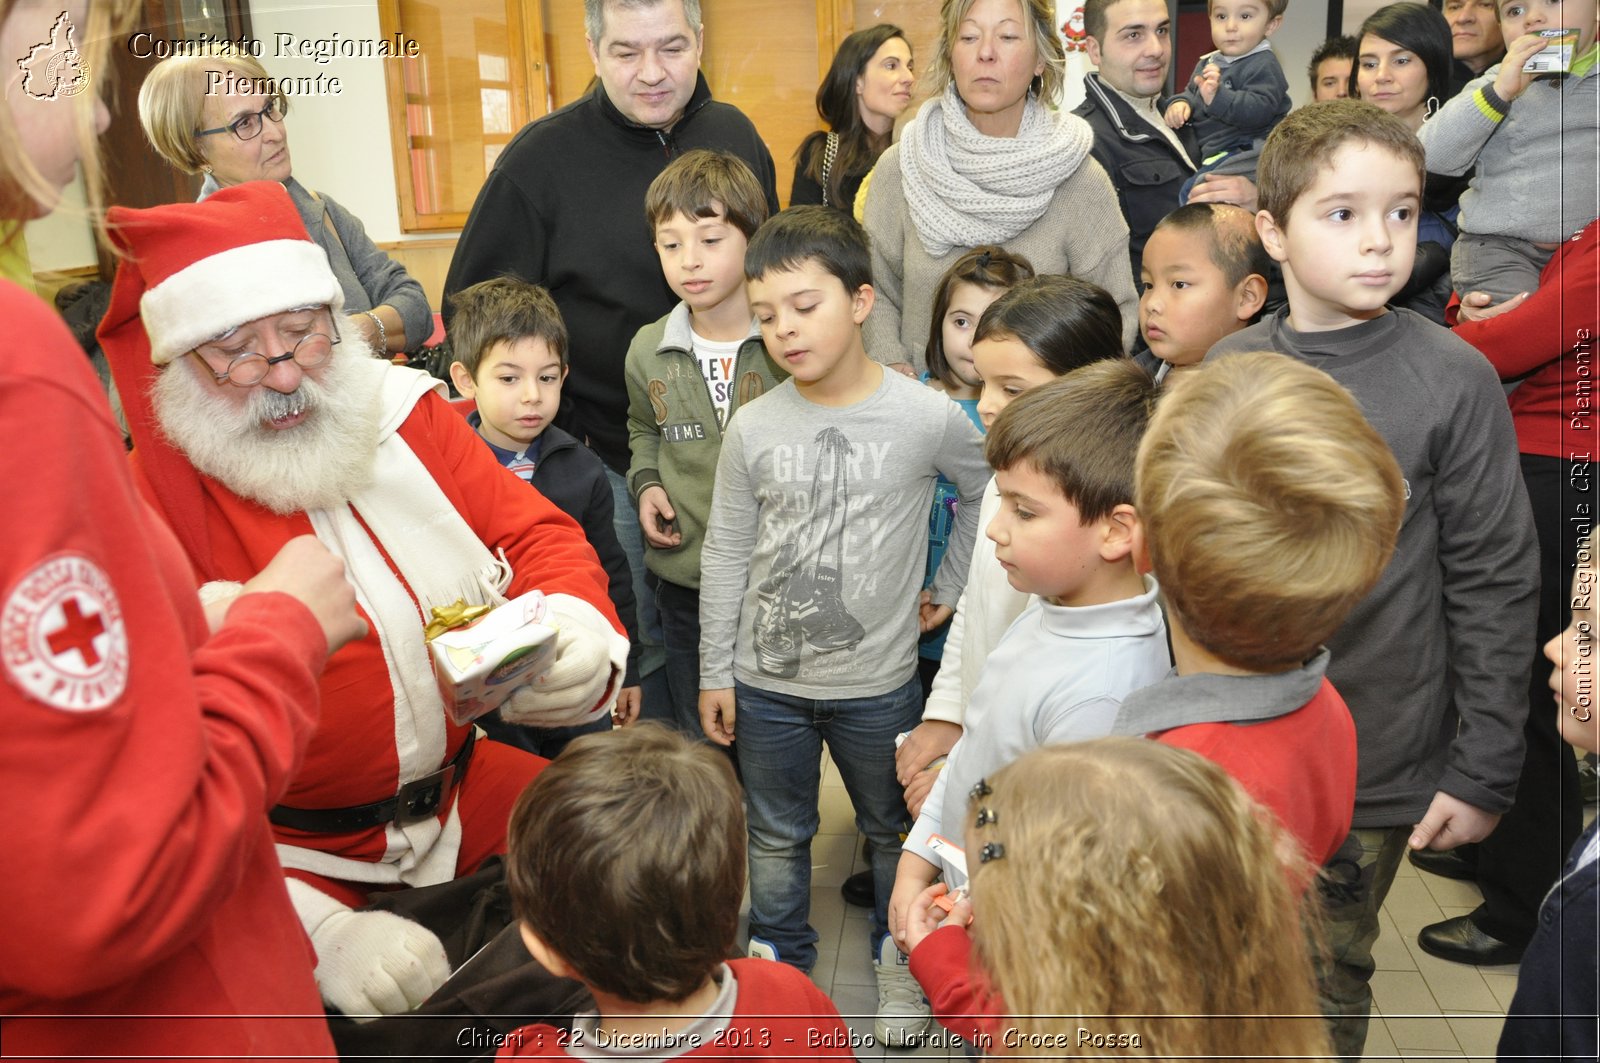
point(416, 800)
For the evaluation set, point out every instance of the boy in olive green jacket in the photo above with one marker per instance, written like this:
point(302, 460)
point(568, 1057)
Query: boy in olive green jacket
point(687, 374)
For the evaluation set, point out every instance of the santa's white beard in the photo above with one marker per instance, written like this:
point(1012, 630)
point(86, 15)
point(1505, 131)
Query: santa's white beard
point(320, 462)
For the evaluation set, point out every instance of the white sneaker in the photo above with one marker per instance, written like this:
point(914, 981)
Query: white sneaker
point(903, 1012)
point(760, 949)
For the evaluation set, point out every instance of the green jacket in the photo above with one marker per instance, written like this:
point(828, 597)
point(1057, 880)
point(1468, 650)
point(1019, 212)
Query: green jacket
point(673, 433)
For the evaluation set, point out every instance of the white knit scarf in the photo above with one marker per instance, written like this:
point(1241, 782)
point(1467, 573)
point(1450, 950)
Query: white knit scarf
point(964, 188)
point(441, 559)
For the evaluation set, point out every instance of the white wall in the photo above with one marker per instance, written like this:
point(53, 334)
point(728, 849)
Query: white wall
point(340, 144)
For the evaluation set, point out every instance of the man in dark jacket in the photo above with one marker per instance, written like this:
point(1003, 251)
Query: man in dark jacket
point(564, 207)
point(1131, 42)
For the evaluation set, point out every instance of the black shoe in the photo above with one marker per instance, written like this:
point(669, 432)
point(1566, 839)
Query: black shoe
point(1446, 863)
point(1460, 941)
point(857, 890)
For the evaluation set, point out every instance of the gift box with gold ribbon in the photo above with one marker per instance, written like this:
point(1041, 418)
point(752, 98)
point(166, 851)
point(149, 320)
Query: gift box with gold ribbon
point(481, 654)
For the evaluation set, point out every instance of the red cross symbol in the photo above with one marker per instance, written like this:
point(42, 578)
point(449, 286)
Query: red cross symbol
point(78, 633)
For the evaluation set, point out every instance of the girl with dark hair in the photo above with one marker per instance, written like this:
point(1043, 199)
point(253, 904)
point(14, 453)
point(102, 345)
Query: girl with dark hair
point(1403, 65)
point(867, 88)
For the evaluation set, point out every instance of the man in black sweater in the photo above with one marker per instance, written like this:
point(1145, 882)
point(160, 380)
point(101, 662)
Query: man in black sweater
point(564, 207)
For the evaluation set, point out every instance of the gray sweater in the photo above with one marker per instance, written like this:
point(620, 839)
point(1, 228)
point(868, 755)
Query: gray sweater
point(1536, 165)
point(1434, 661)
point(1081, 232)
point(814, 553)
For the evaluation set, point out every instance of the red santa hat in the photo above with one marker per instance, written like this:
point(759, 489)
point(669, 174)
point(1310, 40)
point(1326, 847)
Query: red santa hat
point(205, 268)
point(190, 272)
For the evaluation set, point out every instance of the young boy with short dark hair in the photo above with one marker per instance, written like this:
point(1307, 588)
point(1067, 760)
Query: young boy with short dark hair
point(1203, 277)
point(687, 374)
point(1432, 662)
point(608, 893)
point(1269, 506)
point(1063, 457)
point(510, 350)
point(811, 570)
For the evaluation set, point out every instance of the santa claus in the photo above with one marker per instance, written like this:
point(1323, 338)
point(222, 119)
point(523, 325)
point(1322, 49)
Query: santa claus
point(256, 419)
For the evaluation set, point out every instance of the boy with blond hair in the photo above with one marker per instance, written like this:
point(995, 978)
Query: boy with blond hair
point(1063, 459)
point(510, 349)
point(1269, 506)
point(687, 375)
point(607, 892)
point(813, 562)
point(1203, 277)
point(1432, 661)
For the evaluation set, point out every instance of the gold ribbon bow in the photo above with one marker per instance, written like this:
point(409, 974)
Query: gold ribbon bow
point(456, 614)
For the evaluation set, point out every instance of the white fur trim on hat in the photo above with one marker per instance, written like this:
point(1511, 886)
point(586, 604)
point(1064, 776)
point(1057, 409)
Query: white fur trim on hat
point(222, 292)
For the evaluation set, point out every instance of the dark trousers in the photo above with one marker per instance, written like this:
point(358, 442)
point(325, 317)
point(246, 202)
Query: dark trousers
point(1521, 860)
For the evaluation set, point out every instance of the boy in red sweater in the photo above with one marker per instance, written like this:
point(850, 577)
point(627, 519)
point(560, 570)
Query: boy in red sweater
point(626, 868)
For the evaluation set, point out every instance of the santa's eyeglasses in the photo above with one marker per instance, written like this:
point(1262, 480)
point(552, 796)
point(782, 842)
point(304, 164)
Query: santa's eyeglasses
point(309, 333)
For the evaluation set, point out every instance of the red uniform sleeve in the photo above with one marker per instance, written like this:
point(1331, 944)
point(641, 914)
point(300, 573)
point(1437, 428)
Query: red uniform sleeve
point(546, 548)
point(942, 965)
point(140, 755)
point(1562, 312)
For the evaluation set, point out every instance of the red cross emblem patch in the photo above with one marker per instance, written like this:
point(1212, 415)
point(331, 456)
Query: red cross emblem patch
point(62, 635)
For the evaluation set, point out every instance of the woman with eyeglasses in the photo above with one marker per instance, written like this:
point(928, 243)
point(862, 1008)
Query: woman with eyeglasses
point(143, 737)
point(238, 134)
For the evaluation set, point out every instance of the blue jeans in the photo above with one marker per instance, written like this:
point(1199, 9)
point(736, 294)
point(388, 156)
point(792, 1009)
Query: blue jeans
point(625, 519)
point(679, 608)
point(778, 739)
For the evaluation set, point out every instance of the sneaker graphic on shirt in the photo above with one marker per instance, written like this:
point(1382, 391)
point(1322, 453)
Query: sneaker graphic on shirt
point(903, 1012)
point(820, 609)
point(777, 633)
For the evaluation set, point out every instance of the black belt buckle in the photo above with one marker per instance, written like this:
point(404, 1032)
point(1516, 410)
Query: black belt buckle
point(422, 797)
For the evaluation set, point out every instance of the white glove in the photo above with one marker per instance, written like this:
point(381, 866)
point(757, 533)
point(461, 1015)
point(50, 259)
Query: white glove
point(573, 691)
point(369, 963)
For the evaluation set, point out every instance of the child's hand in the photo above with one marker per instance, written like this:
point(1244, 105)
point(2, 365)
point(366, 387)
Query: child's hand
point(911, 878)
point(927, 742)
point(924, 916)
point(1210, 81)
point(930, 616)
point(918, 789)
point(655, 513)
point(627, 707)
point(1512, 79)
point(716, 715)
point(1178, 113)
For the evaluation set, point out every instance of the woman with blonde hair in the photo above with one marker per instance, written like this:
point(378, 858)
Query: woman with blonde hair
point(1127, 898)
point(142, 740)
point(223, 116)
point(989, 160)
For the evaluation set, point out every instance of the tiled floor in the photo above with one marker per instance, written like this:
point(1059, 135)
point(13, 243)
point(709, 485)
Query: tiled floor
point(1425, 1008)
